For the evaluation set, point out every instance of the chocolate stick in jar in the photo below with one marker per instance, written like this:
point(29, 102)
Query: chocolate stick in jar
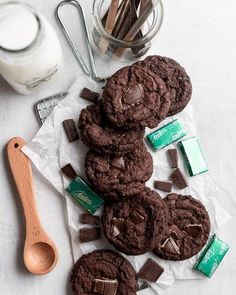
point(151, 4)
point(119, 11)
point(121, 17)
point(110, 22)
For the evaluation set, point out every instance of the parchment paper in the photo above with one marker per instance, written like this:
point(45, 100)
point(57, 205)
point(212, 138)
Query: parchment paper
point(50, 150)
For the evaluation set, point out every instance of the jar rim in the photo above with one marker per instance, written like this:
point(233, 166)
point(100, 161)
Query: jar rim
point(153, 30)
point(31, 9)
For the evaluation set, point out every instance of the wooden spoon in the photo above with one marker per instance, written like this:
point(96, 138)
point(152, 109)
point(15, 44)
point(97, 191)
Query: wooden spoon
point(40, 253)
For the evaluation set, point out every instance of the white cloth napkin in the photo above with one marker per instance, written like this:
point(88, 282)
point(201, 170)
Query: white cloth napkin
point(50, 150)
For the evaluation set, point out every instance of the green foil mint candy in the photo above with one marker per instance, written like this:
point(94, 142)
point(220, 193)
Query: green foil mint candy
point(80, 190)
point(212, 257)
point(166, 135)
point(193, 156)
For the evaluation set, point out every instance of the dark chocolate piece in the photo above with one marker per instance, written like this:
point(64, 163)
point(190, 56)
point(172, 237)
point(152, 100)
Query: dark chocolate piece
point(118, 226)
point(194, 230)
point(136, 216)
point(150, 271)
point(118, 162)
point(105, 286)
point(178, 179)
point(173, 156)
point(89, 234)
point(69, 171)
point(170, 246)
point(165, 186)
point(176, 232)
point(133, 94)
point(89, 219)
point(89, 95)
point(70, 129)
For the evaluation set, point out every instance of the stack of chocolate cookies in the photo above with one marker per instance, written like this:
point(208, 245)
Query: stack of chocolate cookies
point(135, 218)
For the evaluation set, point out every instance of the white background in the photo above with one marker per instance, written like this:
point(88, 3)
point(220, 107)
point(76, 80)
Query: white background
point(201, 35)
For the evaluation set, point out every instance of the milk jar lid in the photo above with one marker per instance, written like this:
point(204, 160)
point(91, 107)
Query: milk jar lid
point(19, 26)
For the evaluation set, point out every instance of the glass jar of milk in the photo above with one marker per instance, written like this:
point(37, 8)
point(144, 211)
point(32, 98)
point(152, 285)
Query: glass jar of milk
point(30, 52)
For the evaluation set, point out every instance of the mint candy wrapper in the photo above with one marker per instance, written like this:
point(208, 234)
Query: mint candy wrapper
point(212, 257)
point(80, 190)
point(193, 156)
point(166, 135)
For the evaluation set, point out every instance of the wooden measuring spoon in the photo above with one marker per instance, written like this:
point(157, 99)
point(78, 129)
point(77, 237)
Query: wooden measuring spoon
point(40, 253)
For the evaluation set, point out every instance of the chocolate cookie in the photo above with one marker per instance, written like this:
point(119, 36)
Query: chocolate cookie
point(116, 176)
point(103, 272)
point(189, 228)
point(175, 77)
point(135, 96)
point(136, 224)
point(100, 136)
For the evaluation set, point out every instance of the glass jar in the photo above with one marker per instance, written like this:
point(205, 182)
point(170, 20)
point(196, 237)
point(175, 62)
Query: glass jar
point(130, 49)
point(30, 52)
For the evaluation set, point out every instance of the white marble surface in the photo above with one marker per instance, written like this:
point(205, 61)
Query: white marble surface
point(199, 34)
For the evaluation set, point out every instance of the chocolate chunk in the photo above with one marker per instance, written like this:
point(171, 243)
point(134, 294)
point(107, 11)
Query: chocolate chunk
point(150, 271)
point(89, 234)
point(118, 226)
point(118, 162)
point(165, 186)
point(136, 216)
point(70, 129)
point(89, 219)
point(194, 230)
point(173, 156)
point(89, 95)
point(178, 179)
point(170, 246)
point(176, 232)
point(133, 94)
point(69, 171)
point(105, 286)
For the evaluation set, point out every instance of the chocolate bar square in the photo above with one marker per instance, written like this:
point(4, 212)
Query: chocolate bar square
point(173, 157)
point(89, 234)
point(89, 95)
point(70, 129)
point(89, 219)
point(150, 271)
point(178, 179)
point(69, 171)
point(165, 186)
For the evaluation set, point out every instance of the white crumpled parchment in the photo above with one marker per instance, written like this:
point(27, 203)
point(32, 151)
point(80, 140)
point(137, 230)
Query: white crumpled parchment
point(50, 150)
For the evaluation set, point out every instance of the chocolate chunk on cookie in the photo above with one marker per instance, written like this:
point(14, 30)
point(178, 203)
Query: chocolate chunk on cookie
point(98, 134)
point(175, 77)
point(116, 176)
point(189, 228)
point(135, 96)
point(142, 224)
point(103, 272)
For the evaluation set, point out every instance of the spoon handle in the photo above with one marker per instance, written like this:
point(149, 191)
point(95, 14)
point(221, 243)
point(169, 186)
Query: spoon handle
point(22, 173)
